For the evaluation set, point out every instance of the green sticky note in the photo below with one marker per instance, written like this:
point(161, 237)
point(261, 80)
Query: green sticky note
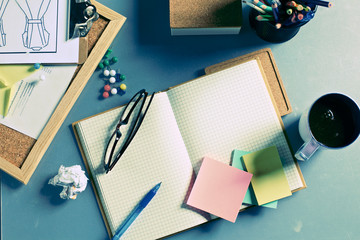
point(269, 181)
point(249, 196)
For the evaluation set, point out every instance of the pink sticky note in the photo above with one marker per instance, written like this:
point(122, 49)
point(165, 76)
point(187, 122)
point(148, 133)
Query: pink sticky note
point(219, 189)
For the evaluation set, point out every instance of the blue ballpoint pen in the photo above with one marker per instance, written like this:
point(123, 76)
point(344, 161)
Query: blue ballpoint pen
point(135, 212)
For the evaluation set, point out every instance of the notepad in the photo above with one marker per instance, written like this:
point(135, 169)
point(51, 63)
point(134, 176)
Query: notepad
point(208, 116)
point(269, 180)
point(249, 196)
point(219, 189)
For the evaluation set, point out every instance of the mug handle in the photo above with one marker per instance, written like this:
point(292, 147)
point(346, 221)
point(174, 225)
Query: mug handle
point(307, 150)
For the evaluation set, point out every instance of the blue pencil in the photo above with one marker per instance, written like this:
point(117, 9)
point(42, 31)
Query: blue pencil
point(275, 11)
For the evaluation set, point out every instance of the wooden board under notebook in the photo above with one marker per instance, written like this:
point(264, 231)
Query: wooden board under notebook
point(271, 72)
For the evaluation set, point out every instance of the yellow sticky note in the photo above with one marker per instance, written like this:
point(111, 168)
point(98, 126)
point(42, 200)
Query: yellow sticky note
point(9, 76)
point(4, 100)
point(269, 181)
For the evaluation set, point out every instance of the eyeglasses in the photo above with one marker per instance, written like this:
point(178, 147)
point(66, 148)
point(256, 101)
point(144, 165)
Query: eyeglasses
point(131, 118)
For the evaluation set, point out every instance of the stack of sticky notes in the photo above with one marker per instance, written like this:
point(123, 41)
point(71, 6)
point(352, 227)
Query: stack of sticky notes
point(250, 196)
point(221, 189)
point(269, 182)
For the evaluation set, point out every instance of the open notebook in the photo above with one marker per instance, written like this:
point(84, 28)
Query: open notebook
point(209, 116)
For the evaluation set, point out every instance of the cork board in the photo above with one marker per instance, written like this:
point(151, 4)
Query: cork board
point(20, 154)
point(205, 13)
point(271, 72)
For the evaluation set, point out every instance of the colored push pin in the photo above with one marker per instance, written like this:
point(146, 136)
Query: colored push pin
point(112, 73)
point(106, 62)
point(112, 80)
point(114, 91)
point(105, 94)
point(122, 77)
point(42, 78)
point(119, 77)
point(106, 73)
point(107, 88)
point(108, 52)
point(101, 65)
point(37, 66)
point(122, 89)
point(114, 60)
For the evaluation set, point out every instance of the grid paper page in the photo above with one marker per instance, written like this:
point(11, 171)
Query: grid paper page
point(228, 110)
point(156, 154)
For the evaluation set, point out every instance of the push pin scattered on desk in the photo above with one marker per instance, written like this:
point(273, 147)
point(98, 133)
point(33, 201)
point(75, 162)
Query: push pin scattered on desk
point(106, 62)
point(113, 90)
point(111, 76)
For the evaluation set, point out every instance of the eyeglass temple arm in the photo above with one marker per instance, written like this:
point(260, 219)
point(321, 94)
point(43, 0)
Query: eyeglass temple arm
point(132, 133)
point(107, 163)
point(126, 120)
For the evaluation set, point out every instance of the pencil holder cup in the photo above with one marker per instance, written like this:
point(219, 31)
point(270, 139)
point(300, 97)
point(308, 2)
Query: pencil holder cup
point(268, 32)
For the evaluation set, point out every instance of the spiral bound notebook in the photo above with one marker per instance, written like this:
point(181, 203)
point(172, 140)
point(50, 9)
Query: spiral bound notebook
point(209, 116)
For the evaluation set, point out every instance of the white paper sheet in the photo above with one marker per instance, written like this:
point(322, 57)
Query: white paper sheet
point(33, 103)
point(34, 31)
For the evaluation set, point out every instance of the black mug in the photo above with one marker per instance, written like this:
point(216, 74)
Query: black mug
point(332, 122)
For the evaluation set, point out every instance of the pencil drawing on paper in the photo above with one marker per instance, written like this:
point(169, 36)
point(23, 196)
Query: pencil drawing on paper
point(35, 35)
point(3, 5)
point(28, 26)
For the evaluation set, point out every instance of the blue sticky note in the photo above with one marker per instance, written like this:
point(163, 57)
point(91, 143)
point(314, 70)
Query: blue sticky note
point(249, 196)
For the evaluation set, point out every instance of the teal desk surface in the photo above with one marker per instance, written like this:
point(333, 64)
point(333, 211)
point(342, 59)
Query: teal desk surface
point(323, 57)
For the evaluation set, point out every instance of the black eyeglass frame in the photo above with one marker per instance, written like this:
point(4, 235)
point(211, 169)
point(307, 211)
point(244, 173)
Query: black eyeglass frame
point(109, 163)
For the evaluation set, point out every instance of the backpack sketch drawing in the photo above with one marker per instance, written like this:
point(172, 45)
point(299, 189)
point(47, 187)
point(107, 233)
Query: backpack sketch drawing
point(35, 29)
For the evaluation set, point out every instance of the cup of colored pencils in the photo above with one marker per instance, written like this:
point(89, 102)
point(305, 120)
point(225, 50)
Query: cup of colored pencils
point(278, 21)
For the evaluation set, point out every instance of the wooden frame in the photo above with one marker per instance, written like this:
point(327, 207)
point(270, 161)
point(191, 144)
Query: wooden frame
point(24, 173)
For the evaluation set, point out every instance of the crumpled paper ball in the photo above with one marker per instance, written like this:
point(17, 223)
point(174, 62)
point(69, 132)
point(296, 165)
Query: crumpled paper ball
point(72, 179)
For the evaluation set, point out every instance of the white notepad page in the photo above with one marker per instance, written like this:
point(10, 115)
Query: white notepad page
point(228, 110)
point(156, 154)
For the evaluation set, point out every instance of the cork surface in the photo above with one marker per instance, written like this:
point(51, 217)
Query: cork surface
point(15, 146)
point(271, 72)
point(205, 13)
